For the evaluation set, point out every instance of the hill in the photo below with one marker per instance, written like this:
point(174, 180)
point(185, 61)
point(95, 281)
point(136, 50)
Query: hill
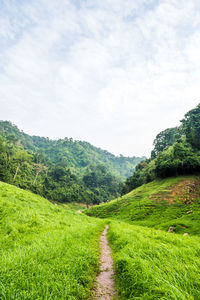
point(154, 234)
point(46, 251)
point(49, 251)
point(176, 152)
point(154, 227)
point(77, 155)
point(162, 204)
point(62, 170)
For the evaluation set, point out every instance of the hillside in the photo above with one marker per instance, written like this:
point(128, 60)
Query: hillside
point(172, 202)
point(63, 170)
point(46, 251)
point(77, 155)
point(176, 152)
point(155, 225)
point(152, 264)
point(154, 235)
point(49, 251)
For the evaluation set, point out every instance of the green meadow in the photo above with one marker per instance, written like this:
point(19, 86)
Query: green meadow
point(159, 204)
point(150, 264)
point(46, 251)
point(50, 251)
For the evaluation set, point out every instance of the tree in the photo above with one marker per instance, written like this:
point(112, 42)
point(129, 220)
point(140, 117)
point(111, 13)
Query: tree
point(191, 127)
point(21, 157)
point(165, 139)
point(3, 161)
point(39, 168)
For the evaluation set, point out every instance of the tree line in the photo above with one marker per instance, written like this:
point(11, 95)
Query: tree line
point(176, 152)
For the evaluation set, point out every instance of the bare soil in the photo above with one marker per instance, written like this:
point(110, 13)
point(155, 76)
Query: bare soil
point(105, 284)
point(185, 191)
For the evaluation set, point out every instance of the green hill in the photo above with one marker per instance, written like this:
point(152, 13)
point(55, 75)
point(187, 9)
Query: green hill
point(154, 227)
point(172, 202)
point(62, 170)
point(151, 263)
point(46, 251)
point(176, 152)
point(77, 155)
point(50, 251)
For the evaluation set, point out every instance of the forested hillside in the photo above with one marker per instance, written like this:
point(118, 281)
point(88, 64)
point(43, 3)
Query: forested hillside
point(62, 170)
point(176, 152)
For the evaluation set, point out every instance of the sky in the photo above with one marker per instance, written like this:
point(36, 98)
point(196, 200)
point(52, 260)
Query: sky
point(111, 72)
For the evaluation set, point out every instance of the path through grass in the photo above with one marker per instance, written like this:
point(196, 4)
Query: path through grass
point(105, 284)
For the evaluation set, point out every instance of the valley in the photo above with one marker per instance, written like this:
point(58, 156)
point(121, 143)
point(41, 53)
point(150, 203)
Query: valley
point(52, 251)
point(59, 241)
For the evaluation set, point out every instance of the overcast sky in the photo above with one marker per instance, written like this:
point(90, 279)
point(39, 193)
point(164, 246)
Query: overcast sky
point(111, 72)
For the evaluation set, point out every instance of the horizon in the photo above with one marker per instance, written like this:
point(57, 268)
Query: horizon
point(111, 73)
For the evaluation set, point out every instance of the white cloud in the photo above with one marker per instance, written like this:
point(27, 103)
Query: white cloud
point(111, 72)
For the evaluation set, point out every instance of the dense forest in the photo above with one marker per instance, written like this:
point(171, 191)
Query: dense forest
point(176, 152)
point(61, 170)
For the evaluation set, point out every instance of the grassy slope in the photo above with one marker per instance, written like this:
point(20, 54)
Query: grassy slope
point(150, 263)
point(160, 204)
point(46, 251)
point(154, 265)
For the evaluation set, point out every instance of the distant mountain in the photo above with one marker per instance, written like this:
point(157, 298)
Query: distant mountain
point(86, 171)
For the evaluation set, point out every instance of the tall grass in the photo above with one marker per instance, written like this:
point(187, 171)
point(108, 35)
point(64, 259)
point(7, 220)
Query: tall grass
point(46, 252)
point(154, 265)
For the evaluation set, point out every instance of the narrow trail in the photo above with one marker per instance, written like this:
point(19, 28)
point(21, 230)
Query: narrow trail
point(105, 284)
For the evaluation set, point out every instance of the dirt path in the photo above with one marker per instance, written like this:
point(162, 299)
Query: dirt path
point(105, 284)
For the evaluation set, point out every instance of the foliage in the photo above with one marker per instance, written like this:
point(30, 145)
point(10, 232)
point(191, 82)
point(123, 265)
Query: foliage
point(46, 251)
point(165, 139)
point(191, 127)
point(176, 152)
point(76, 155)
point(63, 170)
point(100, 181)
point(144, 173)
point(177, 160)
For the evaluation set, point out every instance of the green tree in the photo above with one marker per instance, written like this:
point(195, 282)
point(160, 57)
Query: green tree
point(20, 157)
point(191, 127)
point(4, 172)
point(165, 139)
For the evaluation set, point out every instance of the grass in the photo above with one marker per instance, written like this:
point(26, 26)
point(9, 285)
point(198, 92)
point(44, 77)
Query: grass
point(149, 262)
point(154, 265)
point(46, 251)
point(73, 206)
point(50, 251)
point(159, 204)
